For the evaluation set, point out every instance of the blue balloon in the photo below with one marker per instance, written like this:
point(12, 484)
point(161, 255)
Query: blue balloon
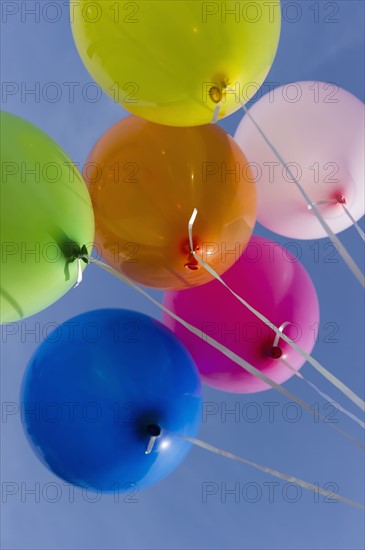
point(97, 391)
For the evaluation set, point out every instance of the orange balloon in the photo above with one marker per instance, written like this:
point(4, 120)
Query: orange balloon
point(145, 181)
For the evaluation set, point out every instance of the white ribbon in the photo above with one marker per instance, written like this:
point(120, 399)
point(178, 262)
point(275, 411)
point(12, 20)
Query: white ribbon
point(276, 473)
point(341, 248)
point(322, 370)
point(346, 210)
point(226, 351)
point(79, 273)
point(313, 386)
point(356, 225)
point(325, 395)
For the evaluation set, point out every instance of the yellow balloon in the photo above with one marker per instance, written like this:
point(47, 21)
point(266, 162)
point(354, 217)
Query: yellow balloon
point(177, 62)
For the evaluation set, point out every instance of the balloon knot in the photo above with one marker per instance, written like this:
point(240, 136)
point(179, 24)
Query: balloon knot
point(192, 263)
point(276, 352)
point(218, 93)
point(153, 430)
point(80, 253)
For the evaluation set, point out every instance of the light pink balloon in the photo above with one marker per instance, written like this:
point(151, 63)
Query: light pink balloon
point(318, 129)
point(270, 279)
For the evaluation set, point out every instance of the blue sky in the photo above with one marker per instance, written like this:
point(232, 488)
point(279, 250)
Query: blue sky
point(173, 514)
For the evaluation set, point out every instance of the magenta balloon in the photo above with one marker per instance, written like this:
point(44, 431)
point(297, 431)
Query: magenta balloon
point(270, 279)
point(318, 129)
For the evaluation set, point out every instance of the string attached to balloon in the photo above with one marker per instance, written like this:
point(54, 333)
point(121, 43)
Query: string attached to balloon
point(341, 201)
point(324, 395)
point(154, 431)
point(162, 154)
point(279, 334)
point(341, 248)
point(216, 114)
point(320, 368)
point(81, 256)
point(356, 225)
point(224, 350)
point(277, 353)
point(216, 95)
point(276, 473)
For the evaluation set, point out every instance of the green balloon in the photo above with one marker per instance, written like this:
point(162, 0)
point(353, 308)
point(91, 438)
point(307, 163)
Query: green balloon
point(46, 220)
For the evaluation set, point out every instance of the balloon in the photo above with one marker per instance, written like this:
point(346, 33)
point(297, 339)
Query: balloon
point(271, 280)
point(145, 181)
point(46, 219)
point(98, 388)
point(318, 130)
point(171, 61)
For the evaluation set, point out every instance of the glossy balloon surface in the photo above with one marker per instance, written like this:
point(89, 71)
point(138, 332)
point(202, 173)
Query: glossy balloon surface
point(96, 385)
point(171, 61)
point(318, 129)
point(46, 218)
point(145, 181)
point(272, 281)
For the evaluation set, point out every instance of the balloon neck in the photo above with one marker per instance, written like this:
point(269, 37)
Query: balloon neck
point(218, 93)
point(79, 253)
point(276, 352)
point(192, 263)
point(153, 430)
point(335, 200)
